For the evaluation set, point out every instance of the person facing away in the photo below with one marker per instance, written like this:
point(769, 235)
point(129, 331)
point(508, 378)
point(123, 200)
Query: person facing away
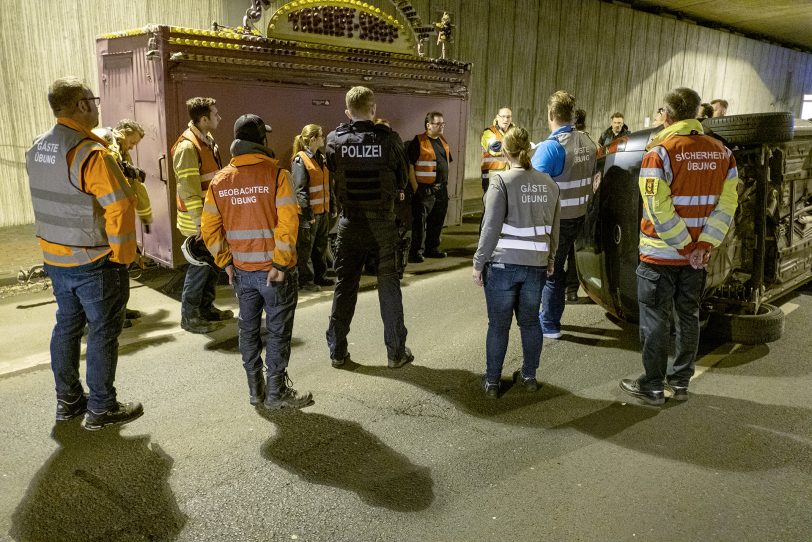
point(85, 216)
point(368, 163)
point(311, 183)
point(196, 160)
point(249, 224)
point(491, 142)
point(688, 183)
point(515, 255)
point(568, 156)
point(616, 129)
point(429, 156)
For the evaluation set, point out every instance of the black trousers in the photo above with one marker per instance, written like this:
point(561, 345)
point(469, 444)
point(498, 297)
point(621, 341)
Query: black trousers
point(311, 246)
point(429, 207)
point(659, 288)
point(359, 238)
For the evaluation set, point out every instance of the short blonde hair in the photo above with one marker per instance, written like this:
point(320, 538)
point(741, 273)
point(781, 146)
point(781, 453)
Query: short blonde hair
point(360, 100)
point(129, 126)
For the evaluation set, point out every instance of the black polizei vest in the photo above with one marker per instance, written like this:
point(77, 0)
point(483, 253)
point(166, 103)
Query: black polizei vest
point(64, 213)
point(361, 157)
point(575, 181)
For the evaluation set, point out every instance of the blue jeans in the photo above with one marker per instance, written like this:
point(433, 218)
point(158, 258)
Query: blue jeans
point(552, 299)
point(278, 300)
point(659, 288)
point(513, 289)
point(358, 239)
point(199, 290)
point(94, 294)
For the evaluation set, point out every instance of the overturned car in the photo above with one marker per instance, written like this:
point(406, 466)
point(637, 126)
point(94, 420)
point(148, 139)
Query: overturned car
point(766, 254)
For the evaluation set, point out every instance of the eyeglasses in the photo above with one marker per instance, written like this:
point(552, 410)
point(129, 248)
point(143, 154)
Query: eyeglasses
point(505, 116)
point(437, 123)
point(661, 110)
point(94, 99)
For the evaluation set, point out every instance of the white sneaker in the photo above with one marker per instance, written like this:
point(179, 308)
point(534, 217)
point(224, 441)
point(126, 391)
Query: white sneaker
point(553, 335)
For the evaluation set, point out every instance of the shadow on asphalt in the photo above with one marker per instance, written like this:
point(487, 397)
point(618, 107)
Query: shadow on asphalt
point(99, 486)
point(328, 451)
point(707, 430)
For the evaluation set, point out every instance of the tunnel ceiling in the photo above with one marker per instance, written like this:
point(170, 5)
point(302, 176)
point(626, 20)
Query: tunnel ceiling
point(788, 22)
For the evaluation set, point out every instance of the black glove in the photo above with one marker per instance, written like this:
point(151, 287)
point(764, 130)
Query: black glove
point(495, 146)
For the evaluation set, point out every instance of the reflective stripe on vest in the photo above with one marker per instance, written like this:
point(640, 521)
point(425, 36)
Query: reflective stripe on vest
point(575, 180)
point(209, 164)
point(695, 193)
point(520, 244)
point(64, 214)
point(248, 221)
point(319, 184)
point(425, 169)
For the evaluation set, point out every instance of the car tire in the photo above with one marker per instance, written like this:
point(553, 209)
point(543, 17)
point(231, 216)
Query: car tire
point(766, 326)
point(753, 129)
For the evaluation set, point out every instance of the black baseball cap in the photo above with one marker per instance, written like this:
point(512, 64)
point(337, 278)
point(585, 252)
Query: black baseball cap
point(251, 128)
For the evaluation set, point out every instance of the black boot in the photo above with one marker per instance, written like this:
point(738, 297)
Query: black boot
point(256, 387)
point(195, 323)
point(281, 395)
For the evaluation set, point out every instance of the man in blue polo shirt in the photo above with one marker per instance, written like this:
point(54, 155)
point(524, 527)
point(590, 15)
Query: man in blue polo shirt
point(568, 156)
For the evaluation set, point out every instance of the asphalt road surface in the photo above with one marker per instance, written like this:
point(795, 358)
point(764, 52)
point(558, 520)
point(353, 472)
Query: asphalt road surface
point(413, 454)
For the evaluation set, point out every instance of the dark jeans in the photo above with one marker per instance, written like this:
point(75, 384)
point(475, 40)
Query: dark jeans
point(199, 290)
point(96, 294)
point(312, 245)
point(359, 237)
point(572, 283)
point(429, 207)
point(513, 289)
point(552, 298)
point(659, 288)
point(278, 300)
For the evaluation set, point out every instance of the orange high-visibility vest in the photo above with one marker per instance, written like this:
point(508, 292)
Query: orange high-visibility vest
point(208, 158)
point(425, 170)
point(318, 184)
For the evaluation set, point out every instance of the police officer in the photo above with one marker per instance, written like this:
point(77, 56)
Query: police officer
point(369, 167)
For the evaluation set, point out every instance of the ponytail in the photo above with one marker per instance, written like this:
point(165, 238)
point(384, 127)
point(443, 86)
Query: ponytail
point(298, 145)
point(516, 143)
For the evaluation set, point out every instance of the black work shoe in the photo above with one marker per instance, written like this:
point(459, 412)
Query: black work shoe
point(337, 363)
point(310, 287)
point(435, 254)
point(572, 297)
point(289, 398)
point(403, 359)
point(132, 314)
point(197, 325)
point(121, 413)
point(127, 323)
point(416, 258)
point(491, 389)
point(632, 387)
point(256, 389)
point(324, 282)
point(678, 393)
point(67, 410)
point(530, 384)
point(216, 315)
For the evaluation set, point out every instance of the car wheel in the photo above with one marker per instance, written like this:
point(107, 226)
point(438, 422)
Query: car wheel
point(752, 129)
point(766, 326)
